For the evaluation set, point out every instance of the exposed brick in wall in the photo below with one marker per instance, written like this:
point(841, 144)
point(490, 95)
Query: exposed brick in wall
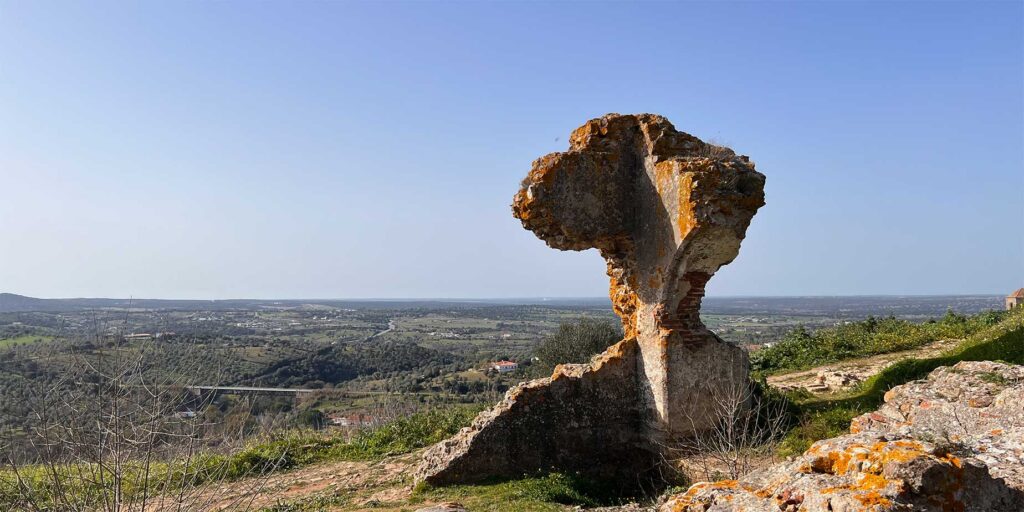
point(686, 318)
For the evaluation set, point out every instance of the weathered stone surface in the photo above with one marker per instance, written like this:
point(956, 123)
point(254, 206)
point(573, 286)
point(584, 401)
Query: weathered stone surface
point(952, 442)
point(666, 211)
point(444, 507)
point(975, 408)
point(835, 380)
point(552, 423)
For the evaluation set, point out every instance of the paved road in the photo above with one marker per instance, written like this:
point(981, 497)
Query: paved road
point(255, 389)
point(391, 327)
point(252, 389)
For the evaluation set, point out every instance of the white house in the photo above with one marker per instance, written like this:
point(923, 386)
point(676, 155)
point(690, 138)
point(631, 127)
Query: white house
point(353, 420)
point(505, 366)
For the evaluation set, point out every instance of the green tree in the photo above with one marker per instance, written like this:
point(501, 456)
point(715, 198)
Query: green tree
point(576, 342)
point(313, 418)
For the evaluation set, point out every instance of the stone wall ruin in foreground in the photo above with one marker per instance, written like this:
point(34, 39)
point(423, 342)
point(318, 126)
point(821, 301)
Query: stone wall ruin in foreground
point(666, 211)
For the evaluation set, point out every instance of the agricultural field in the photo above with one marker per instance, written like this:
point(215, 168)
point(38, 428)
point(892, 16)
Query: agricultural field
point(23, 339)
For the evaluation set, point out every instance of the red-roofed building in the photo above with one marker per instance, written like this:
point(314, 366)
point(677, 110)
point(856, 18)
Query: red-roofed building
point(1015, 299)
point(505, 366)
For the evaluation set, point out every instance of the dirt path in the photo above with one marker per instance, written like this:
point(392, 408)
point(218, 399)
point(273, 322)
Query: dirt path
point(858, 369)
point(328, 486)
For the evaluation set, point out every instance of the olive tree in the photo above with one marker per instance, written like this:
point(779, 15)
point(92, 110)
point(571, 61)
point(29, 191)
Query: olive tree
point(576, 342)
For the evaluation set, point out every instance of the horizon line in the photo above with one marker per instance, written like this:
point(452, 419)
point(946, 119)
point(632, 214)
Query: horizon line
point(530, 298)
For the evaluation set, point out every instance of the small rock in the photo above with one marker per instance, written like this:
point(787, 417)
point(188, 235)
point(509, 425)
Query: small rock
point(444, 507)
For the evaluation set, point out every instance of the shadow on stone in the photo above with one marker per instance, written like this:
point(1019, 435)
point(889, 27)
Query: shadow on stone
point(666, 211)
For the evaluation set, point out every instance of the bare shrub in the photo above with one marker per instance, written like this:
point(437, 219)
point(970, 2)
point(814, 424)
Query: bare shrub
point(715, 150)
point(754, 420)
point(105, 436)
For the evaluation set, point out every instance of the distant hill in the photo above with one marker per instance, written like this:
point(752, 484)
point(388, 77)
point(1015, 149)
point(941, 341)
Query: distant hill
point(13, 303)
point(907, 306)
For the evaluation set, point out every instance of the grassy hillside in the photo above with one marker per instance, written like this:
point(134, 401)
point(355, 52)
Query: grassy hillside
point(801, 349)
point(23, 340)
point(76, 486)
point(821, 418)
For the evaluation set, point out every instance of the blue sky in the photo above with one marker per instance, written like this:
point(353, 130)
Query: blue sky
point(371, 149)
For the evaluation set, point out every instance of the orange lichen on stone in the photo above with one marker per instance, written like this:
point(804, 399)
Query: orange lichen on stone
point(873, 481)
point(726, 484)
point(624, 303)
point(664, 174)
point(954, 460)
point(686, 219)
point(899, 451)
point(872, 500)
point(665, 211)
point(832, 462)
point(681, 503)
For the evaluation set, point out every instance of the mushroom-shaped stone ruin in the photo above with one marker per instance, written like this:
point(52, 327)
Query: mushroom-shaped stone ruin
point(666, 211)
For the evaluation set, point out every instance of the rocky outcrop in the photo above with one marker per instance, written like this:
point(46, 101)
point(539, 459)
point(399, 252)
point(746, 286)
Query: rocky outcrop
point(952, 442)
point(974, 408)
point(666, 211)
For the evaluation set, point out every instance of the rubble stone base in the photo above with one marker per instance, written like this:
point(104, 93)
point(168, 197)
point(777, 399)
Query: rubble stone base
point(588, 419)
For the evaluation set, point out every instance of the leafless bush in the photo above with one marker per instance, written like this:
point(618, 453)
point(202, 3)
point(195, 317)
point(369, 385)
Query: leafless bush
point(387, 408)
point(751, 425)
point(106, 437)
point(715, 150)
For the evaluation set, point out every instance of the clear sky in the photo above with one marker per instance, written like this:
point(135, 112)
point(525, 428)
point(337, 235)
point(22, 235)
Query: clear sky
point(349, 149)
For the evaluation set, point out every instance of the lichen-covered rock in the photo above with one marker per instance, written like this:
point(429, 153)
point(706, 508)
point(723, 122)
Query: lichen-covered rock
point(666, 211)
point(952, 442)
point(975, 408)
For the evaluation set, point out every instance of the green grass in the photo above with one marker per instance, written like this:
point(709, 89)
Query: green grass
point(801, 349)
point(541, 492)
point(314, 503)
point(303, 448)
point(821, 418)
point(993, 378)
point(23, 340)
point(288, 451)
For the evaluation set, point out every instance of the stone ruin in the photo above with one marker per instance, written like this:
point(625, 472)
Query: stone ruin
point(666, 210)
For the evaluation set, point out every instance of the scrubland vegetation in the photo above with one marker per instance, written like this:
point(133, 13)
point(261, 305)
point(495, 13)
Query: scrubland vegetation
point(801, 349)
point(820, 418)
point(133, 479)
point(575, 342)
point(95, 472)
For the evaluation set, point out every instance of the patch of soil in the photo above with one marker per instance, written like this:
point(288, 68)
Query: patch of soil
point(861, 369)
point(328, 486)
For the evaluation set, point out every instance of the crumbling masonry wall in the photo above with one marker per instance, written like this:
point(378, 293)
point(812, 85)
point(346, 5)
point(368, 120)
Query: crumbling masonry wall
point(666, 211)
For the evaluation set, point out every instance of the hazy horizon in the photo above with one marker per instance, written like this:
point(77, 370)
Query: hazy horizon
point(509, 298)
point(209, 150)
